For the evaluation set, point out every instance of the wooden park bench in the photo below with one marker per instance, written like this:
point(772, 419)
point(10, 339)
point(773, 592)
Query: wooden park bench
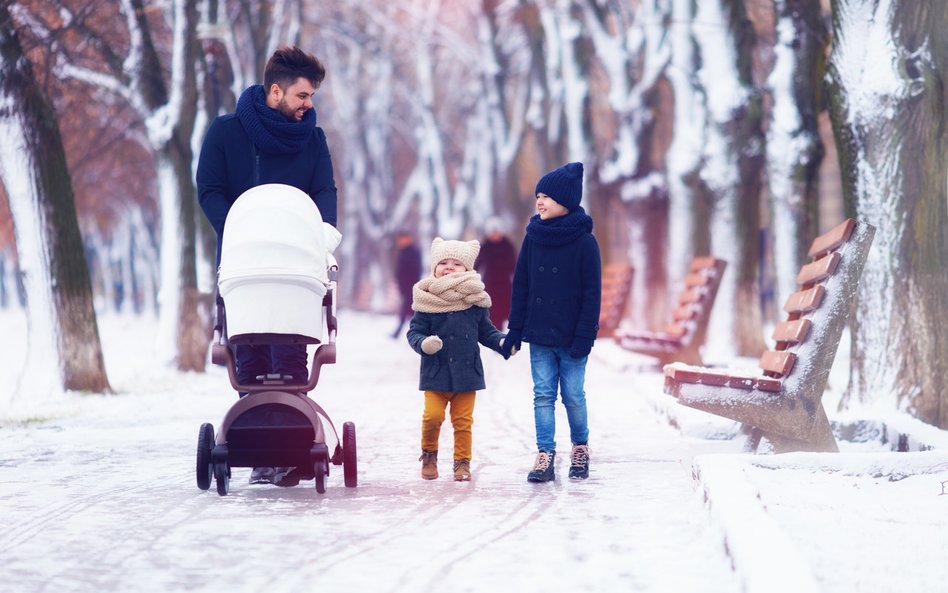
point(784, 402)
point(616, 285)
point(681, 339)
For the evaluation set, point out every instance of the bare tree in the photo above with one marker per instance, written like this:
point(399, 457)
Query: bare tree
point(731, 170)
point(887, 96)
point(131, 63)
point(63, 332)
point(633, 50)
point(794, 148)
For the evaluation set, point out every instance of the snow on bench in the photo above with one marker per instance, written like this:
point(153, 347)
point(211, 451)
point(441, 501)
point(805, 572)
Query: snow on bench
point(784, 401)
point(681, 339)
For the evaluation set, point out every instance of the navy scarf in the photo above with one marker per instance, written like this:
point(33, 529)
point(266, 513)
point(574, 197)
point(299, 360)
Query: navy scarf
point(561, 230)
point(268, 129)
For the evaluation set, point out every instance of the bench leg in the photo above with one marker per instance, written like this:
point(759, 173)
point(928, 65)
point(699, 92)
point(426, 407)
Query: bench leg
point(753, 438)
point(821, 439)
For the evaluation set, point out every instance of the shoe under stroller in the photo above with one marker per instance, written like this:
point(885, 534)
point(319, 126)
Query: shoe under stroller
point(277, 281)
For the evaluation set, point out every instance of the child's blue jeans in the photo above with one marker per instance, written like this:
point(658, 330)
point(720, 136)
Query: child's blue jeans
point(552, 367)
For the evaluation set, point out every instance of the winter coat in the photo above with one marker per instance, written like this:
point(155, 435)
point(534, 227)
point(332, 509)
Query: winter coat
point(557, 286)
point(496, 264)
point(407, 269)
point(457, 366)
point(230, 164)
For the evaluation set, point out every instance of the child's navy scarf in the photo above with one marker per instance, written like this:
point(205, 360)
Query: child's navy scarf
point(561, 230)
point(268, 129)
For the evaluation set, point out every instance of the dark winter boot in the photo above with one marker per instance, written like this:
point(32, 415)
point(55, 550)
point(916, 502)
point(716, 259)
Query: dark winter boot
point(543, 467)
point(288, 477)
point(429, 464)
point(262, 475)
point(579, 462)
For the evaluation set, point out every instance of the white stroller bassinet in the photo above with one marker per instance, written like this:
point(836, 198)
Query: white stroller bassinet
point(274, 264)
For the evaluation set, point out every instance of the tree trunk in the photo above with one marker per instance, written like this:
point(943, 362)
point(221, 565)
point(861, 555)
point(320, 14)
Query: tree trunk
point(33, 167)
point(687, 228)
point(794, 149)
point(888, 108)
point(184, 327)
point(731, 174)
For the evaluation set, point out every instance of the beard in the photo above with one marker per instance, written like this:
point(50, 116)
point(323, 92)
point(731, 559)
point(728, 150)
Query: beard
point(291, 114)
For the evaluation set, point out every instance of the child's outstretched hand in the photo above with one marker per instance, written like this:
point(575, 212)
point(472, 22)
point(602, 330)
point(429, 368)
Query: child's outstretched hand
point(513, 349)
point(431, 345)
point(510, 343)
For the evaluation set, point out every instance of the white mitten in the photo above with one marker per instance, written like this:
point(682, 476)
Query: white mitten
point(512, 350)
point(431, 345)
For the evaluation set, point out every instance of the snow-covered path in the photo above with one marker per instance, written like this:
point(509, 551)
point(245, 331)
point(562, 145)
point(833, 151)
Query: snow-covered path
point(102, 498)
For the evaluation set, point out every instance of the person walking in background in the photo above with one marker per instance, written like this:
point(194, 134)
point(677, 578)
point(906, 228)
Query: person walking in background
point(555, 307)
point(450, 320)
point(272, 138)
point(496, 266)
point(407, 272)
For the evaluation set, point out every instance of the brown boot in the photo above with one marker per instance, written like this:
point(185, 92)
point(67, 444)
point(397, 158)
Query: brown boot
point(429, 464)
point(462, 470)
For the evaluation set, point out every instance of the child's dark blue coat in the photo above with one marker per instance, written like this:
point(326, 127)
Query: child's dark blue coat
point(457, 366)
point(557, 290)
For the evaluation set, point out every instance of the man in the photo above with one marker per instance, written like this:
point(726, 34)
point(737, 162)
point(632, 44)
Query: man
point(272, 138)
point(496, 265)
point(407, 272)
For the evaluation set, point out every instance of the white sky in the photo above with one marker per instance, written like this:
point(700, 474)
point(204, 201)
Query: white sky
point(99, 495)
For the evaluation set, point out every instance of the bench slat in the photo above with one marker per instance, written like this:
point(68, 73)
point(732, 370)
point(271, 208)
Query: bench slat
point(805, 300)
point(699, 278)
point(720, 378)
point(649, 340)
point(832, 239)
point(819, 270)
point(692, 295)
point(779, 362)
point(685, 312)
point(792, 332)
point(703, 262)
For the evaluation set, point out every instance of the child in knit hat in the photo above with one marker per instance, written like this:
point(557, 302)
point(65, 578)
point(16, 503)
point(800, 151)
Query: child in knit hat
point(451, 317)
point(555, 307)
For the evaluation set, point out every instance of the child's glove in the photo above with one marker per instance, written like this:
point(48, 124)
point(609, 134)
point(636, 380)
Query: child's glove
point(512, 350)
point(431, 345)
point(580, 347)
point(511, 343)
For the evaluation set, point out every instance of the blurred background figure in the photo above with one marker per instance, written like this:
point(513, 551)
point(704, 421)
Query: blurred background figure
point(407, 273)
point(496, 264)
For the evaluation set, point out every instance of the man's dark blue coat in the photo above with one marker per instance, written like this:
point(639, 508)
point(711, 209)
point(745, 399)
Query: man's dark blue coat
point(230, 164)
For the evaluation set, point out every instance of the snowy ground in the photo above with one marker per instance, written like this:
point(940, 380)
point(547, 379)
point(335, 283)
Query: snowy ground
point(98, 493)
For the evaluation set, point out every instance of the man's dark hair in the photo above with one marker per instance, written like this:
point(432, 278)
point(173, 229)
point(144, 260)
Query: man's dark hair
point(290, 63)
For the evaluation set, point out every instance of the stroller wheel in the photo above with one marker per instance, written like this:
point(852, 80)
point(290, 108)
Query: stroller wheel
point(321, 470)
point(222, 476)
point(349, 467)
point(204, 468)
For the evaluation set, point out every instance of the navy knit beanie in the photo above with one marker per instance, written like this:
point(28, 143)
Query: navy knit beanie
point(565, 185)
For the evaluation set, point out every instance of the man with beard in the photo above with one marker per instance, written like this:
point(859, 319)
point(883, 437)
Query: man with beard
point(272, 138)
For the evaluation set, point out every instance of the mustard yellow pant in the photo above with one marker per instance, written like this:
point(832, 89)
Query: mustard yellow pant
point(462, 418)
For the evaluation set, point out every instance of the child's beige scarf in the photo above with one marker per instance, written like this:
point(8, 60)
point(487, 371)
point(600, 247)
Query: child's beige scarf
point(451, 292)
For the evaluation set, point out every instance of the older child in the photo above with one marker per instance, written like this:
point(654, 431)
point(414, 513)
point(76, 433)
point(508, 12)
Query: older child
point(451, 317)
point(555, 307)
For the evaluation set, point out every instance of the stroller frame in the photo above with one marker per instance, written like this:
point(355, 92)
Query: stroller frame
point(301, 445)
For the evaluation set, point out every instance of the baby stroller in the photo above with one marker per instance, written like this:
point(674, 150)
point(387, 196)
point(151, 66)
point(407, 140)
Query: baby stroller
point(277, 279)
